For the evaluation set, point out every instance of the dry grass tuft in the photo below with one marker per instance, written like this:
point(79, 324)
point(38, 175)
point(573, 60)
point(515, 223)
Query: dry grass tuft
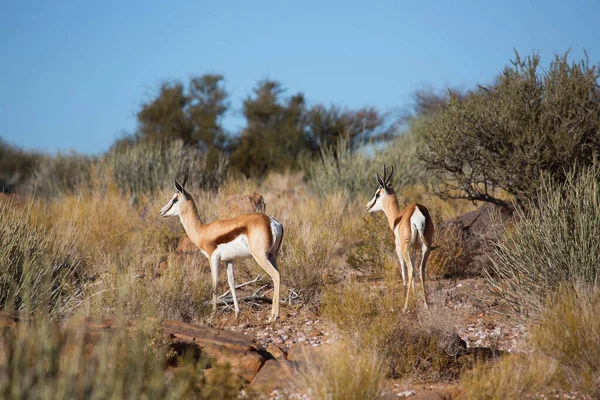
point(342, 372)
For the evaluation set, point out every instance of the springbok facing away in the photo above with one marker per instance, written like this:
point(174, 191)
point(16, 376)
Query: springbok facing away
point(249, 235)
point(412, 227)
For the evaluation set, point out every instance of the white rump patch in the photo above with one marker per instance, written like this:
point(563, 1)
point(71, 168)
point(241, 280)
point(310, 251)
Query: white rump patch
point(418, 221)
point(277, 232)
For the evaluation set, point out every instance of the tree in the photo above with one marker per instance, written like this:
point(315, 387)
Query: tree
point(327, 125)
point(274, 137)
point(527, 124)
point(281, 131)
point(193, 115)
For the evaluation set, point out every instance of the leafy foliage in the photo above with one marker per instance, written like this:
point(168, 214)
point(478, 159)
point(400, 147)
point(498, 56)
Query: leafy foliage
point(193, 115)
point(281, 132)
point(504, 136)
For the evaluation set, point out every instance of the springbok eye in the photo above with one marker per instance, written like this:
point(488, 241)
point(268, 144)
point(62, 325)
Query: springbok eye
point(175, 200)
point(377, 195)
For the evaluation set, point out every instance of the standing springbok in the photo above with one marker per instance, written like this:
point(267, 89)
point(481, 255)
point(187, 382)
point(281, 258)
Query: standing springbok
point(249, 235)
point(412, 227)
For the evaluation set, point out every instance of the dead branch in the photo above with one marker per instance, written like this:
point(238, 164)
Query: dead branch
point(241, 285)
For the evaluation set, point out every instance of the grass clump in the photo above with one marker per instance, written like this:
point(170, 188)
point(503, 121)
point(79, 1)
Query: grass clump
point(554, 243)
point(39, 267)
point(341, 372)
point(413, 347)
point(309, 243)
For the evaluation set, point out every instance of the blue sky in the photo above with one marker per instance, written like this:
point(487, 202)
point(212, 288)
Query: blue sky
point(73, 73)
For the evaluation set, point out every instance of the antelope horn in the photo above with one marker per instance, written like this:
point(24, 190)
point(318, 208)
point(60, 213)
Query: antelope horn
point(389, 178)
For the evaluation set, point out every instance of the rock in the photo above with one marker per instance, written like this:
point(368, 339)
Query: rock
point(277, 352)
point(475, 231)
point(299, 352)
point(274, 374)
point(223, 346)
point(239, 204)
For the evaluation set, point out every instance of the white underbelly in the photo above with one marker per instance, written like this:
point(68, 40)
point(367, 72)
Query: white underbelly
point(238, 248)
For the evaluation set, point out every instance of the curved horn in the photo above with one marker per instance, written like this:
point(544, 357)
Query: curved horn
point(384, 174)
point(186, 175)
point(381, 183)
point(389, 178)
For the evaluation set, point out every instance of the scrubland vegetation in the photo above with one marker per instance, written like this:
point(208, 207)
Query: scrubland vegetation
point(82, 237)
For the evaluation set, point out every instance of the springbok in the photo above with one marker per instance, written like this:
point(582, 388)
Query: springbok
point(249, 235)
point(412, 227)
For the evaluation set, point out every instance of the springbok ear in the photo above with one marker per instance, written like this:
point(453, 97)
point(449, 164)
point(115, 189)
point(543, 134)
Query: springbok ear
point(178, 186)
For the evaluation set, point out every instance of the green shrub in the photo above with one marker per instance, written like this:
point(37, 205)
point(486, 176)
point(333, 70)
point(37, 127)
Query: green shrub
point(554, 243)
point(39, 268)
point(530, 121)
point(376, 246)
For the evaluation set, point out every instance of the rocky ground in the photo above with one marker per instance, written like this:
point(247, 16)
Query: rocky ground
point(469, 302)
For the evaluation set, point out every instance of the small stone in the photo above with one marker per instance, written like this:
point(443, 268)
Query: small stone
point(407, 393)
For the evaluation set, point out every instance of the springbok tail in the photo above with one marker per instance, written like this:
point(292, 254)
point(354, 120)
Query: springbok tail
point(425, 242)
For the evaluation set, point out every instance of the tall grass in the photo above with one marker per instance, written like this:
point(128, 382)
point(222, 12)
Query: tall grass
point(39, 267)
point(149, 166)
point(341, 372)
point(550, 244)
point(312, 233)
point(342, 168)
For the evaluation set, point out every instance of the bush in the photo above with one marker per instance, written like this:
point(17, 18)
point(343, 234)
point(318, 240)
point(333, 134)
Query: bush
point(150, 166)
point(504, 136)
point(341, 168)
point(16, 166)
point(555, 243)
point(39, 268)
point(61, 174)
